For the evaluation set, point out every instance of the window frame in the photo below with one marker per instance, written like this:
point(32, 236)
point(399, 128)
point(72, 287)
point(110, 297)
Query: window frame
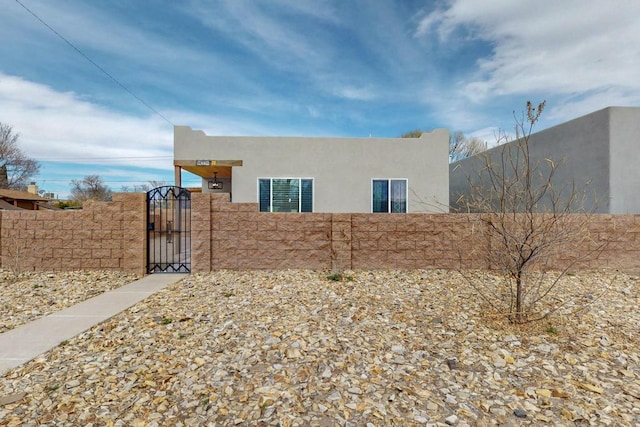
point(389, 200)
point(300, 198)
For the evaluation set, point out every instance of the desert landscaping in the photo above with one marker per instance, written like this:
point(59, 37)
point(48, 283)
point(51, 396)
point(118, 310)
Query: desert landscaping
point(375, 348)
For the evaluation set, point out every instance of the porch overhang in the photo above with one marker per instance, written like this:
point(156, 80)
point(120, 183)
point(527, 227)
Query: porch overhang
point(205, 168)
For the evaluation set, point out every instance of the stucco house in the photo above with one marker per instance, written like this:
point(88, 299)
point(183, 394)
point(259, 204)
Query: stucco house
point(599, 154)
point(318, 174)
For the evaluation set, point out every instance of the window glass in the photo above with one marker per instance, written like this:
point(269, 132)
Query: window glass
point(398, 196)
point(265, 195)
point(389, 195)
point(306, 204)
point(285, 195)
point(380, 195)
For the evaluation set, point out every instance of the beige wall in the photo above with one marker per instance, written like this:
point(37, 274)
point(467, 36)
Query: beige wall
point(342, 168)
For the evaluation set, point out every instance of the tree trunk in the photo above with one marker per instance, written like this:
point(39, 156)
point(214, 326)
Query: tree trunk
point(520, 314)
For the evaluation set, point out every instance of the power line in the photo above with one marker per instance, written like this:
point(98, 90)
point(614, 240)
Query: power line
point(130, 181)
point(66, 159)
point(94, 63)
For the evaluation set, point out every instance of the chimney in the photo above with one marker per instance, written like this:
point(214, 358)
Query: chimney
point(32, 188)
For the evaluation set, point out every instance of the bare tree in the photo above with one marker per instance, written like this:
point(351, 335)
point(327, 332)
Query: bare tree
point(460, 146)
point(143, 188)
point(528, 228)
point(16, 168)
point(91, 187)
point(136, 188)
point(156, 184)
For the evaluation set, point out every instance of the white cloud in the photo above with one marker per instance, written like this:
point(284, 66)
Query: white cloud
point(287, 67)
point(557, 49)
point(87, 26)
point(318, 9)
point(490, 135)
point(263, 31)
point(63, 127)
point(592, 101)
point(356, 93)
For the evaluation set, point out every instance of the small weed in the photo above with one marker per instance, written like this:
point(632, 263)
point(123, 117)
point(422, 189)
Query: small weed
point(552, 330)
point(182, 336)
point(570, 274)
point(167, 320)
point(63, 343)
point(228, 294)
point(37, 286)
point(53, 387)
point(339, 277)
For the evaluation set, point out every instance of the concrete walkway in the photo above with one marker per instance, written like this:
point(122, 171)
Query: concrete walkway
point(28, 341)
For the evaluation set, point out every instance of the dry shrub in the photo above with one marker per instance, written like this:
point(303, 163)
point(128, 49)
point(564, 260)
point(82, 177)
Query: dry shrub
point(529, 229)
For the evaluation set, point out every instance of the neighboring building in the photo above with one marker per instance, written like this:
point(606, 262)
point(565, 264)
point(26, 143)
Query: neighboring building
point(599, 152)
point(15, 200)
point(314, 174)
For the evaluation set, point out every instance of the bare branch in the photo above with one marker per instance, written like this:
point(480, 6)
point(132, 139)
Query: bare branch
point(91, 187)
point(529, 220)
point(16, 169)
point(460, 147)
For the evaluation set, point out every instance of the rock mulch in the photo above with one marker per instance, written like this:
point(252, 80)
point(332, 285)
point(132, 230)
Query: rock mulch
point(27, 296)
point(292, 348)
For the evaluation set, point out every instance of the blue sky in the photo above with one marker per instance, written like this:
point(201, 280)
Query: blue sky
point(295, 67)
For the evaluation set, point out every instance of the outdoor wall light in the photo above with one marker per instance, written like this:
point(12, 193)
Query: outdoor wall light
point(215, 184)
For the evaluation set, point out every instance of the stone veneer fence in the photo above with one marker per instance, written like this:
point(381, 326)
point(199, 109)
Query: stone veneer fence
point(224, 235)
point(101, 236)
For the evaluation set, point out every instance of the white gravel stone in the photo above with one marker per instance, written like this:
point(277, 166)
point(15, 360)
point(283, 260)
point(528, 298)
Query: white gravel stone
point(28, 296)
point(279, 352)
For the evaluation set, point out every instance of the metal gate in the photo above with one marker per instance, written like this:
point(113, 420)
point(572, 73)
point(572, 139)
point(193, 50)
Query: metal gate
point(169, 230)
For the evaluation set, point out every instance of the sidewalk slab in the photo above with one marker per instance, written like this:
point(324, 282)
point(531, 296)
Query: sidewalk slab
point(26, 342)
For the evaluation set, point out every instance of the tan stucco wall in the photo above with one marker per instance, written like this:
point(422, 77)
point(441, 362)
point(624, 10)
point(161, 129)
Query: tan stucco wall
point(342, 168)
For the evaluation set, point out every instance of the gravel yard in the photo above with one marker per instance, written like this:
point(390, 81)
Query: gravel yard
point(293, 348)
point(28, 296)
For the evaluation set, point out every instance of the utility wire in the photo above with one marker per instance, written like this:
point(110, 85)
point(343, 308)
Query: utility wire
point(94, 63)
point(129, 181)
point(66, 159)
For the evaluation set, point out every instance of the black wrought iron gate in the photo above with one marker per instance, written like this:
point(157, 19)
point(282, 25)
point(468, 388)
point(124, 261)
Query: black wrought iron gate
point(169, 230)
